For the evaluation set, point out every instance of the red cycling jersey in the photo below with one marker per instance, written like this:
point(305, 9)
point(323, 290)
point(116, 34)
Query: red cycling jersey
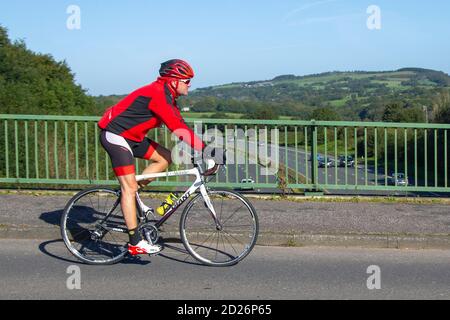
point(145, 109)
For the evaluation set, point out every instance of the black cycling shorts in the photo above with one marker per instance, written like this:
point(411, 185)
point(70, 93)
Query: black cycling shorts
point(123, 151)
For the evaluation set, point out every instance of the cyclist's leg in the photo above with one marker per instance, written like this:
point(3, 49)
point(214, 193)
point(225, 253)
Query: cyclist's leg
point(160, 157)
point(129, 187)
point(137, 245)
point(122, 159)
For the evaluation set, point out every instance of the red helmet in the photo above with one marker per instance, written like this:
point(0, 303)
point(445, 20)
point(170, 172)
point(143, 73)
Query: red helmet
point(177, 69)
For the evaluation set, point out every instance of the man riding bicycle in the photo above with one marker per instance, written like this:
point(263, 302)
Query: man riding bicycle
point(123, 135)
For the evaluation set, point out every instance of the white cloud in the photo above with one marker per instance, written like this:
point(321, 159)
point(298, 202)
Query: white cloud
point(292, 13)
point(297, 16)
point(325, 19)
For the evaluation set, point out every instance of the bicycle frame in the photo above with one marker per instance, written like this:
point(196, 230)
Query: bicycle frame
point(199, 183)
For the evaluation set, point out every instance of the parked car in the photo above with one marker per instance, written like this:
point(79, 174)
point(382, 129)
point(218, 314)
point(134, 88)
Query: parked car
point(248, 183)
point(319, 157)
point(399, 179)
point(349, 161)
point(322, 163)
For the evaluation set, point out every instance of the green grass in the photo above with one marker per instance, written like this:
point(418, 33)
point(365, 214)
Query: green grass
point(363, 199)
point(291, 243)
point(339, 103)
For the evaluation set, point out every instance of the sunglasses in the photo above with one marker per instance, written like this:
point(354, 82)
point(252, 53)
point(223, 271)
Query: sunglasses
point(186, 81)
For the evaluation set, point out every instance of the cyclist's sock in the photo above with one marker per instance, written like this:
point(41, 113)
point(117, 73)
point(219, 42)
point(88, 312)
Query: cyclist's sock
point(134, 235)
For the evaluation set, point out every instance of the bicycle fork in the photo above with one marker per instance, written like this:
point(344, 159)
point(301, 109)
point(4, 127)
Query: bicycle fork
point(209, 205)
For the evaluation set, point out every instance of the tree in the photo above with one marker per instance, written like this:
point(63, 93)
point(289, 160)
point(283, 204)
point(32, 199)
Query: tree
point(441, 107)
point(207, 104)
point(325, 114)
point(3, 37)
point(262, 113)
point(443, 115)
point(34, 83)
point(395, 112)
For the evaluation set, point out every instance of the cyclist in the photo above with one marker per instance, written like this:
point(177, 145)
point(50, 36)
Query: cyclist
point(123, 135)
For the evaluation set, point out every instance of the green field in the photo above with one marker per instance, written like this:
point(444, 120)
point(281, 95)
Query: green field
point(201, 115)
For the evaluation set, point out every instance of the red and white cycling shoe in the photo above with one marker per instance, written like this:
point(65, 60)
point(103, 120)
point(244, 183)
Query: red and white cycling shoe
point(144, 247)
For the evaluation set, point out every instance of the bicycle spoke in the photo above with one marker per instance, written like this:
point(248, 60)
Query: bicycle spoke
point(219, 247)
point(234, 237)
point(88, 213)
point(90, 200)
point(231, 246)
point(198, 246)
point(112, 246)
point(221, 207)
point(106, 203)
point(84, 230)
point(235, 211)
point(223, 243)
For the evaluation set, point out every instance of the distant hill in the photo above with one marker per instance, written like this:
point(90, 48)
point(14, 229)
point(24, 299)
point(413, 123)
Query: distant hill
point(355, 95)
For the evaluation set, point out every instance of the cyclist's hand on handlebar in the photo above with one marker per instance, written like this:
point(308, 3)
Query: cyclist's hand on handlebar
point(211, 158)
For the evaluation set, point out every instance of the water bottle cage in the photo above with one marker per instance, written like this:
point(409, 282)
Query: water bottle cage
point(166, 205)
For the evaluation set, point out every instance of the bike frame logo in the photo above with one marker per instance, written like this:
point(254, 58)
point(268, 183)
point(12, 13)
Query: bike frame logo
point(251, 146)
point(181, 200)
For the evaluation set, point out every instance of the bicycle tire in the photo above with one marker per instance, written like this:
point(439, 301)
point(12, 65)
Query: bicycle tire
point(218, 256)
point(74, 212)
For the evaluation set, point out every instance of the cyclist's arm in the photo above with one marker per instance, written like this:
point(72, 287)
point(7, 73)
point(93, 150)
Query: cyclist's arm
point(171, 117)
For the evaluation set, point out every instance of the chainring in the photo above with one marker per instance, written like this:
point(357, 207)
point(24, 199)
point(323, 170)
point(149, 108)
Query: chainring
point(150, 232)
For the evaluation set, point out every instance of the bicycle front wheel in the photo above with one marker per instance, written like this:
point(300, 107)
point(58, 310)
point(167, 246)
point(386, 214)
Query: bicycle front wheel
point(225, 246)
point(93, 227)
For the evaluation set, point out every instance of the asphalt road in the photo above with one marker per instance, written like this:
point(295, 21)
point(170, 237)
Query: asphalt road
point(298, 160)
point(38, 269)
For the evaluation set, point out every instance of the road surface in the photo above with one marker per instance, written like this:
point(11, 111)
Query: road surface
point(40, 269)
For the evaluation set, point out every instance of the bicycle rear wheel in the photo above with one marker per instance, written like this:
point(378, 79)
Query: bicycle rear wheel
point(224, 247)
point(93, 227)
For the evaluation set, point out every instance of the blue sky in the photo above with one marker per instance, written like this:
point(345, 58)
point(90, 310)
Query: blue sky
point(121, 43)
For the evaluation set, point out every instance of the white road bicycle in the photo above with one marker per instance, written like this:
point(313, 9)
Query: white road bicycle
point(217, 227)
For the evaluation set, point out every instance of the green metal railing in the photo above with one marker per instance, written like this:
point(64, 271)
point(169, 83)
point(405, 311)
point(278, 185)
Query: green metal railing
point(64, 150)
